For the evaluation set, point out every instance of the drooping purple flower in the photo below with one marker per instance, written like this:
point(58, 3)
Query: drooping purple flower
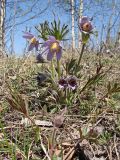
point(40, 59)
point(34, 43)
point(52, 47)
point(72, 82)
point(41, 77)
point(85, 25)
point(62, 83)
point(58, 120)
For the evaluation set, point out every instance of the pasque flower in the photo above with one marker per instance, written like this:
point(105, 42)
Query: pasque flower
point(52, 47)
point(34, 43)
point(40, 59)
point(62, 83)
point(72, 82)
point(69, 82)
point(85, 25)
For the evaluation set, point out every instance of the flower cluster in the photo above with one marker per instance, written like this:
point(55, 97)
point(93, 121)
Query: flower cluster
point(69, 82)
point(52, 45)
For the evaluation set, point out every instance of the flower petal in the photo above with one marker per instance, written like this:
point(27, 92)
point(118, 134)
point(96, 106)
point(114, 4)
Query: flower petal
point(46, 43)
point(84, 20)
point(62, 83)
point(49, 56)
point(72, 87)
point(28, 35)
point(37, 45)
point(45, 51)
point(59, 54)
point(31, 46)
point(72, 83)
point(52, 39)
point(91, 26)
point(49, 41)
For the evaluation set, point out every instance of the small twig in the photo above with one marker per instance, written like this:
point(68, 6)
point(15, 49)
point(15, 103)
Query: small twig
point(30, 149)
point(44, 149)
point(71, 152)
point(117, 154)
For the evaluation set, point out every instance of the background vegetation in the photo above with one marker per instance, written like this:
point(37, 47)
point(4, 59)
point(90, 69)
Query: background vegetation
point(38, 120)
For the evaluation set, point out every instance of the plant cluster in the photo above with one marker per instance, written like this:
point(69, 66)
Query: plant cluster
point(60, 87)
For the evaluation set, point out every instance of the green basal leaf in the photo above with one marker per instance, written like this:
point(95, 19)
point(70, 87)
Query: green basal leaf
point(58, 31)
point(71, 64)
point(37, 133)
point(54, 29)
point(43, 29)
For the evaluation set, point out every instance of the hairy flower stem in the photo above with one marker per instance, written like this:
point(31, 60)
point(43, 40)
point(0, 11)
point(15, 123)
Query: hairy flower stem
point(67, 96)
point(66, 93)
point(80, 57)
point(81, 54)
point(52, 69)
point(58, 67)
point(53, 136)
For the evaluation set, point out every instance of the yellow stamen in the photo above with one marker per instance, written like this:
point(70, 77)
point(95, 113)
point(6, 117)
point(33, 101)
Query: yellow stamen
point(33, 40)
point(55, 47)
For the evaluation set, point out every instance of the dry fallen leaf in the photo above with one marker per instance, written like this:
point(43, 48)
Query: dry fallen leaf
point(59, 119)
point(27, 123)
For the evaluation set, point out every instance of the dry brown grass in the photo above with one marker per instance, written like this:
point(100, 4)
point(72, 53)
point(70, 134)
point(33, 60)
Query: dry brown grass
point(91, 127)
